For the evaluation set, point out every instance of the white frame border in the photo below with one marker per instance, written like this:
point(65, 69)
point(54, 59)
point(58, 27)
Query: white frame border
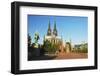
point(24, 64)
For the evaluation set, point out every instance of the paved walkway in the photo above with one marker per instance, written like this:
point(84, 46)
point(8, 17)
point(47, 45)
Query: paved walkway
point(61, 55)
point(71, 56)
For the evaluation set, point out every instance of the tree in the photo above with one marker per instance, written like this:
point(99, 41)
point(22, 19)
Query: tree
point(50, 47)
point(29, 40)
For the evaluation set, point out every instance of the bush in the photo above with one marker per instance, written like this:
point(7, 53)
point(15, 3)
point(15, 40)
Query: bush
point(50, 47)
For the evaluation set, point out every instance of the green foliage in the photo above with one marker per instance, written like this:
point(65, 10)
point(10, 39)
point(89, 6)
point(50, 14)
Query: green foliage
point(50, 47)
point(82, 49)
point(29, 40)
point(36, 37)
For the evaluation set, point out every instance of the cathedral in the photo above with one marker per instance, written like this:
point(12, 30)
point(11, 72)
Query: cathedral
point(53, 37)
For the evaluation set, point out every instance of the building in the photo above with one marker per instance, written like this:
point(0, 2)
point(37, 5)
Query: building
point(53, 37)
point(81, 47)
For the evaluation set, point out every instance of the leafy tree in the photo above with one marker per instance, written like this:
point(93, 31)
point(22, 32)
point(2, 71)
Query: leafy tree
point(29, 40)
point(83, 48)
point(50, 47)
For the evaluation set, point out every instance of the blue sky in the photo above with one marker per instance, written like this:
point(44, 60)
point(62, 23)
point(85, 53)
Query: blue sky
point(69, 27)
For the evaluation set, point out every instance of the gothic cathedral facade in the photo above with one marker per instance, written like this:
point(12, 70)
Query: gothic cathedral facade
point(53, 37)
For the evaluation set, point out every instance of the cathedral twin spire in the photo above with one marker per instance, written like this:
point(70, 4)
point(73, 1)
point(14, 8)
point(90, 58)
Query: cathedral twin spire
point(49, 32)
point(55, 30)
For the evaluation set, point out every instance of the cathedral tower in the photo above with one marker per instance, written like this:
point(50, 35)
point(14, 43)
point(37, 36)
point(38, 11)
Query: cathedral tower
point(49, 32)
point(55, 30)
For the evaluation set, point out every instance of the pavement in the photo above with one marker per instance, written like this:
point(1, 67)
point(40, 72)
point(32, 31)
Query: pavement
point(61, 55)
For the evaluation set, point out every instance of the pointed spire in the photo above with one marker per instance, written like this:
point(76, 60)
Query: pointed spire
point(55, 25)
point(55, 30)
point(49, 25)
point(49, 29)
